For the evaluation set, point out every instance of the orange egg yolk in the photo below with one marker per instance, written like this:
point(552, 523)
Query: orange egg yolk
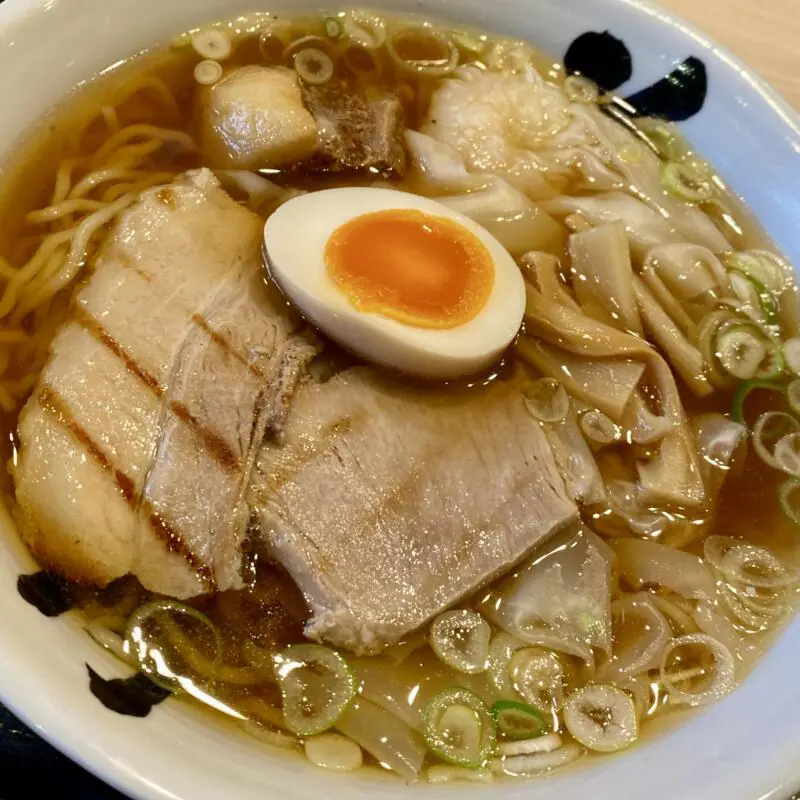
point(422, 270)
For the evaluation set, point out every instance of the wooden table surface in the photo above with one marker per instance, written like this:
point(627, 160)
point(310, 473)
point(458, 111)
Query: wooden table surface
point(765, 34)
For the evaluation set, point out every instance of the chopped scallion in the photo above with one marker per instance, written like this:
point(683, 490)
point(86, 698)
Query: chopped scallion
point(744, 391)
point(664, 138)
point(461, 640)
point(473, 46)
point(740, 352)
point(602, 718)
point(459, 728)
point(333, 28)
point(518, 720)
point(761, 266)
point(791, 354)
point(752, 292)
point(212, 44)
point(688, 181)
point(313, 66)
point(317, 687)
point(790, 502)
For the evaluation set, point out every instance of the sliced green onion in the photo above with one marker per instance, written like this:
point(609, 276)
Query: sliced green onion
point(791, 354)
point(150, 657)
point(538, 677)
point(518, 720)
point(306, 43)
point(501, 651)
point(527, 747)
point(770, 429)
point(787, 454)
point(788, 505)
point(681, 655)
point(212, 44)
point(447, 773)
point(754, 294)
point(461, 639)
point(741, 347)
point(111, 641)
point(546, 399)
point(313, 66)
point(362, 61)
point(473, 46)
point(422, 51)
point(689, 182)
point(743, 392)
point(763, 267)
point(581, 90)
point(602, 718)
point(208, 72)
point(334, 752)
point(741, 562)
point(774, 366)
point(599, 428)
point(273, 39)
point(317, 687)
point(664, 138)
point(525, 766)
point(364, 29)
point(751, 621)
point(740, 353)
point(333, 28)
point(459, 729)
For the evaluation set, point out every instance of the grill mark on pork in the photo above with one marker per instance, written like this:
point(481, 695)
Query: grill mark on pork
point(127, 262)
point(145, 276)
point(307, 451)
point(54, 404)
point(175, 544)
point(225, 344)
point(214, 443)
point(93, 327)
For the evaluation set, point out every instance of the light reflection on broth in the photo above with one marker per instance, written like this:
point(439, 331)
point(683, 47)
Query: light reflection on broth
point(679, 473)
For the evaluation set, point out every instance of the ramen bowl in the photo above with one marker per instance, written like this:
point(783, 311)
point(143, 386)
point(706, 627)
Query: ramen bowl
point(742, 748)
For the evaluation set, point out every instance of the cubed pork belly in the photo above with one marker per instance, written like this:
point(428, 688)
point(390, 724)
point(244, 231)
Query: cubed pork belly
point(359, 129)
point(387, 504)
point(137, 445)
point(254, 118)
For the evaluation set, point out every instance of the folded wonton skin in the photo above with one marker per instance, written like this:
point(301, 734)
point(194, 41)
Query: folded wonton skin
point(387, 504)
point(136, 445)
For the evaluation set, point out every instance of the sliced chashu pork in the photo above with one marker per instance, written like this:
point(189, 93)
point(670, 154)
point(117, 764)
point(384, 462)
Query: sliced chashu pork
point(137, 444)
point(387, 504)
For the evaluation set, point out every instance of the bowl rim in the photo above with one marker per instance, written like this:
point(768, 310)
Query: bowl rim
point(66, 736)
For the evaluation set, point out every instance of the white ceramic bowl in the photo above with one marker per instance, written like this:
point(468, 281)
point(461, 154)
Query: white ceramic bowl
point(744, 748)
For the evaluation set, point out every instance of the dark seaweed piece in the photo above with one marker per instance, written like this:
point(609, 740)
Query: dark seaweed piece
point(601, 57)
point(677, 97)
point(49, 593)
point(133, 697)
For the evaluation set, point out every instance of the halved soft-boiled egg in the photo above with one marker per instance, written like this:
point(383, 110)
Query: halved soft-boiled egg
point(398, 279)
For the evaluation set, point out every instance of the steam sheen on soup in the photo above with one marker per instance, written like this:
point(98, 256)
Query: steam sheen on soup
point(258, 498)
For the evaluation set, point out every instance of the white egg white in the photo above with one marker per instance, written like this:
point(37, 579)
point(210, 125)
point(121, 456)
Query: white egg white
point(295, 237)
